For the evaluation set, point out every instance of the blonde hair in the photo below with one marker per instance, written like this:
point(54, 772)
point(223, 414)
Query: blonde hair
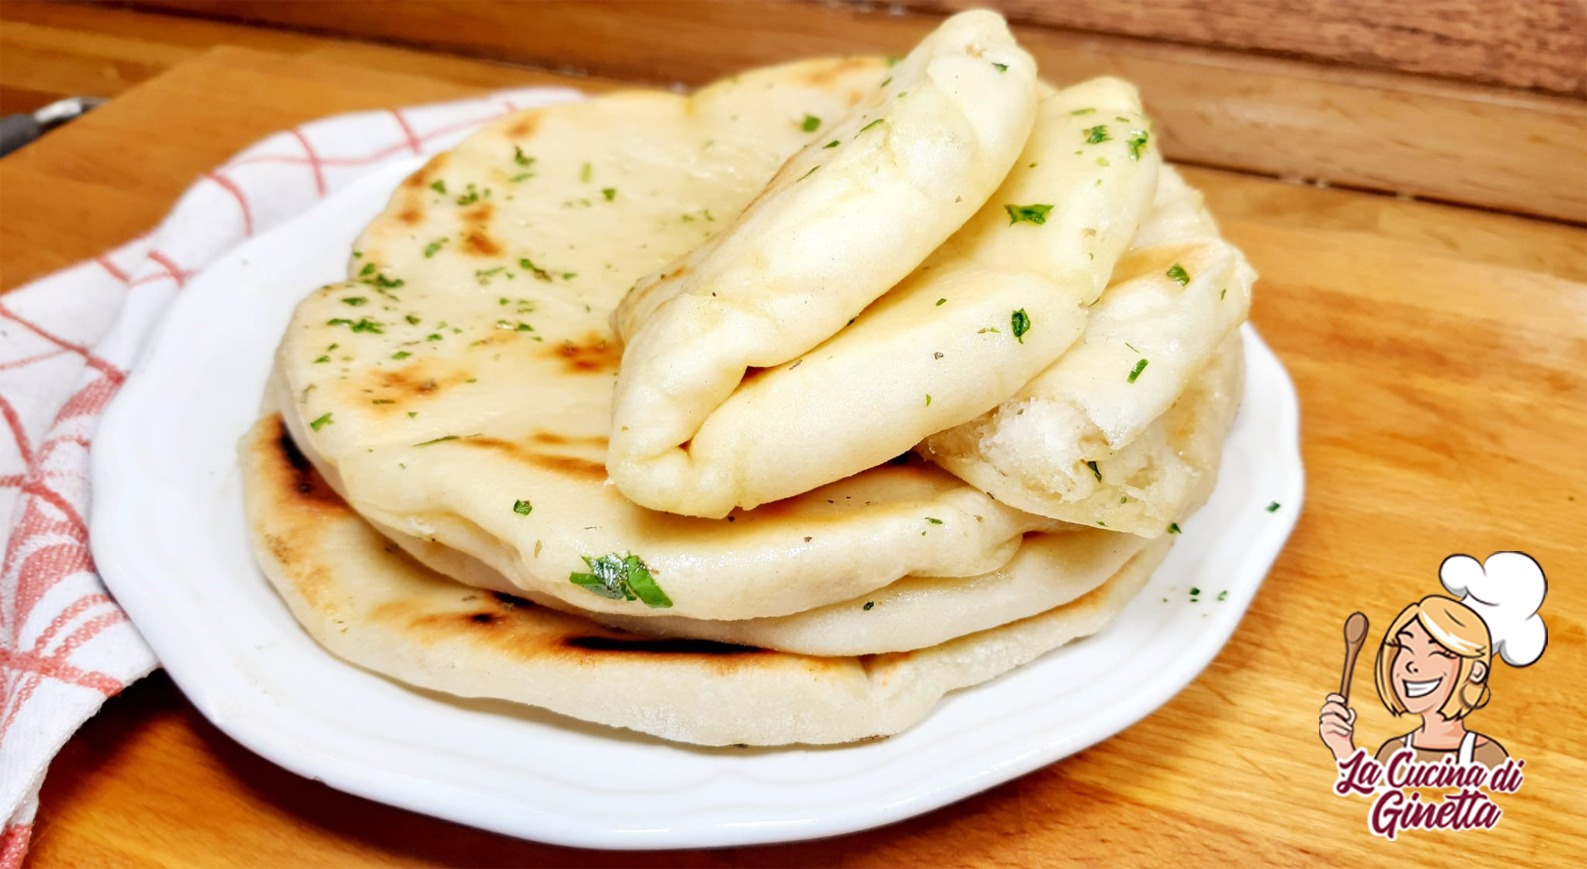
point(1460, 631)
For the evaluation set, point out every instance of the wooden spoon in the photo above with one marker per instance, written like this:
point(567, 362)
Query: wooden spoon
point(1355, 636)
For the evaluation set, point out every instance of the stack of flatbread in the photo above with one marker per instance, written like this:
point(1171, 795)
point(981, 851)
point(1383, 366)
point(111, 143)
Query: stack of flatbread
point(764, 415)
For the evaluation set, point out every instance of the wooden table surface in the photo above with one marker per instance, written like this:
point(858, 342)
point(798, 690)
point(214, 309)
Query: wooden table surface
point(1439, 353)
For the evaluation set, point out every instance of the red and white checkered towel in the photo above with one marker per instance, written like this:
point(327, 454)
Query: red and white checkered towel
point(66, 344)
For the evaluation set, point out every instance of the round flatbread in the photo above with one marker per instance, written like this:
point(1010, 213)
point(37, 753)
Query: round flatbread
point(368, 602)
point(458, 388)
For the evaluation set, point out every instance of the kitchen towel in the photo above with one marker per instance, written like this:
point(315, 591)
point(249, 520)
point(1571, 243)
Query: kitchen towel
point(67, 343)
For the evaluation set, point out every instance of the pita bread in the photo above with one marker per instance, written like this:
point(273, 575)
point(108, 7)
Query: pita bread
point(367, 602)
point(466, 372)
point(1177, 296)
point(724, 400)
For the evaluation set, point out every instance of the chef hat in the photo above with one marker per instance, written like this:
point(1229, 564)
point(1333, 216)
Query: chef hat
point(1506, 591)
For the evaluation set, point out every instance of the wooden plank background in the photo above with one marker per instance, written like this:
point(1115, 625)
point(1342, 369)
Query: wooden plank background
point(1504, 149)
point(1539, 44)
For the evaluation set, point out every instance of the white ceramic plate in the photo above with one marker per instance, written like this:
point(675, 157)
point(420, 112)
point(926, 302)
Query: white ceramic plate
point(169, 537)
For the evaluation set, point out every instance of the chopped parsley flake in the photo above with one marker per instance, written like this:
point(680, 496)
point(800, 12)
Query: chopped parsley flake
point(621, 577)
point(1095, 470)
point(469, 197)
point(1020, 321)
point(436, 440)
point(1027, 213)
point(320, 423)
point(412, 319)
point(831, 144)
point(807, 174)
point(401, 355)
point(933, 520)
point(434, 247)
point(364, 324)
point(322, 359)
point(810, 124)
point(1136, 371)
point(609, 192)
point(1273, 507)
point(528, 265)
point(1178, 273)
point(522, 508)
point(586, 172)
point(1223, 292)
point(1001, 67)
point(439, 187)
point(941, 302)
point(522, 159)
point(1223, 595)
point(1096, 135)
point(928, 399)
point(355, 301)
point(520, 178)
point(893, 60)
point(868, 605)
point(368, 269)
point(1086, 111)
point(1173, 528)
point(885, 82)
point(1136, 143)
point(870, 125)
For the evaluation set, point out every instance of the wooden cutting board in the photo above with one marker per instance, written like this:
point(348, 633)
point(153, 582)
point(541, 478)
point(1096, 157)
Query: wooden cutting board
point(1439, 353)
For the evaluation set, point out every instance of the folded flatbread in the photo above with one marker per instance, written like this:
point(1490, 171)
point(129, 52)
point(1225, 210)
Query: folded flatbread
point(368, 602)
point(1127, 426)
point(736, 393)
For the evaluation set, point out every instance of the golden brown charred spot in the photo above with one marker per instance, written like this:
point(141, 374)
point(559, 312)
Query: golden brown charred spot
point(480, 244)
point(483, 618)
point(427, 173)
point(299, 473)
point(832, 72)
point(593, 354)
point(510, 601)
point(411, 215)
point(480, 214)
point(568, 466)
point(524, 125)
point(676, 273)
point(638, 645)
point(392, 388)
point(554, 439)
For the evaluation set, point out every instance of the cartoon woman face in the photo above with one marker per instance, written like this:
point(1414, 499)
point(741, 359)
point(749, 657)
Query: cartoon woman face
point(1424, 672)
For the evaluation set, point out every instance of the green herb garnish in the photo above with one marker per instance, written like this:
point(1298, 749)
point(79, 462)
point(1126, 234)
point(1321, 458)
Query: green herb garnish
point(320, 423)
point(1178, 273)
point(355, 301)
point(322, 359)
point(1027, 213)
point(1095, 470)
point(870, 125)
point(436, 440)
point(364, 324)
point(522, 508)
point(433, 247)
point(1136, 371)
point(439, 187)
point(1087, 111)
point(585, 172)
point(1096, 135)
point(933, 520)
point(1273, 507)
point(401, 355)
point(1020, 321)
point(522, 159)
point(1001, 67)
point(868, 605)
point(609, 192)
point(831, 144)
point(1136, 143)
point(810, 124)
point(941, 302)
point(1173, 528)
point(621, 577)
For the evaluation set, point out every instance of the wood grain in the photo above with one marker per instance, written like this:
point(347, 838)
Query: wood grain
point(1439, 356)
point(1496, 148)
point(1538, 44)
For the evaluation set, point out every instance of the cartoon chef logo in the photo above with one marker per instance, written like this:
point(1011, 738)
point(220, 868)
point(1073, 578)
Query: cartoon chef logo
point(1435, 662)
